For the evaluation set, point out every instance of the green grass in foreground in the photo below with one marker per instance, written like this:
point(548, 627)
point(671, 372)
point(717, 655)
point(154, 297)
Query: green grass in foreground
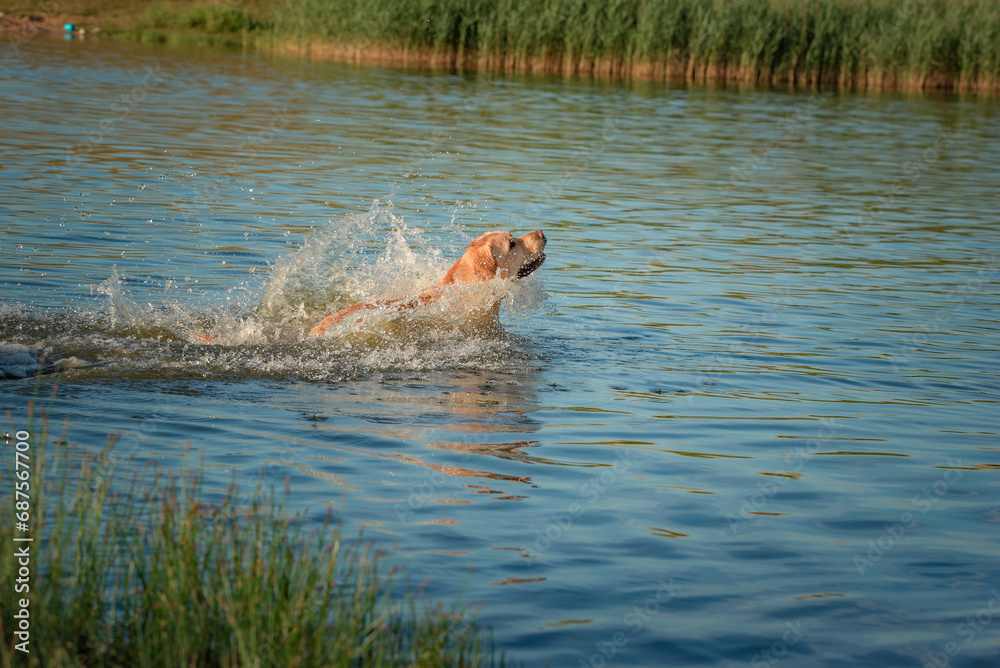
point(150, 575)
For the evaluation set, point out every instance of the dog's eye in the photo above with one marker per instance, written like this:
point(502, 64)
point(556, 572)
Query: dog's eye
point(513, 242)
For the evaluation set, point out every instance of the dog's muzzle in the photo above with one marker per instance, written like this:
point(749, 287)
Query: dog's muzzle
point(531, 266)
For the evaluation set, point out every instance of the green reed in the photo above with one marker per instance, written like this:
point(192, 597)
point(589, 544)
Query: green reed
point(148, 573)
point(210, 19)
point(868, 43)
point(769, 40)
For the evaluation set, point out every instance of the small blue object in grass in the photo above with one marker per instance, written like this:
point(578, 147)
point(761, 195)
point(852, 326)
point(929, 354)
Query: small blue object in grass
point(69, 27)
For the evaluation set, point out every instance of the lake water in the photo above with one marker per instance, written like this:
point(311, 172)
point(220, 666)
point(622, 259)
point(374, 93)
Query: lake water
point(745, 414)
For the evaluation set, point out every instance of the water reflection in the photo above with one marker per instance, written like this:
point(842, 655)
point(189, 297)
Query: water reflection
point(428, 404)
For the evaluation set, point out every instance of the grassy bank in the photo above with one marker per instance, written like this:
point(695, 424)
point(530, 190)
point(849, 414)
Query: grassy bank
point(865, 44)
point(888, 44)
point(149, 574)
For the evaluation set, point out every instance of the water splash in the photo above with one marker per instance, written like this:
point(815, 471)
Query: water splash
point(264, 331)
point(357, 258)
point(19, 361)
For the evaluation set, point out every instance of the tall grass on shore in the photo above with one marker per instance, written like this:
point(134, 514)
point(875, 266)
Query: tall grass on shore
point(148, 574)
point(857, 43)
point(907, 44)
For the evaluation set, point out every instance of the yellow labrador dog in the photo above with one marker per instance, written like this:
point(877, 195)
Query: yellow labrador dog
point(493, 255)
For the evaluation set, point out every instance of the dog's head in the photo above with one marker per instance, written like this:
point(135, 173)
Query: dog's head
point(499, 255)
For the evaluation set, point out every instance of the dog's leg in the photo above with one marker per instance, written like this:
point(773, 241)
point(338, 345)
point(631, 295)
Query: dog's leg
point(424, 298)
point(329, 320)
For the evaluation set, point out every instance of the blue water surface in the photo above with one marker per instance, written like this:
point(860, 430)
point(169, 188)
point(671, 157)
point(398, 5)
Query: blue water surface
point(746, 413)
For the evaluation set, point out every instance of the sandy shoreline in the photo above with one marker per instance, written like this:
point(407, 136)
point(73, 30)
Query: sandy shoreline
point(27, 27)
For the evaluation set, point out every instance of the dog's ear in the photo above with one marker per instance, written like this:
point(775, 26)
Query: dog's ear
point(489, 262)
point(478, 263)
point(481, 259)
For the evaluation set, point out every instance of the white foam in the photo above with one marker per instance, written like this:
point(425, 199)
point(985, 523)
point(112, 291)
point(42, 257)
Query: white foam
point(20, 361)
